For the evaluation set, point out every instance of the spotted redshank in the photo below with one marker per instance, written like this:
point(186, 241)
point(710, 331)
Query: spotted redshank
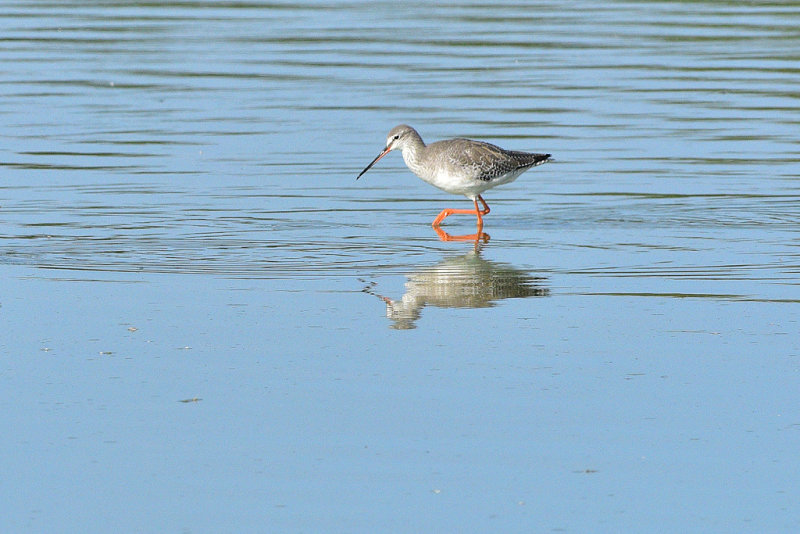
point(459, 166)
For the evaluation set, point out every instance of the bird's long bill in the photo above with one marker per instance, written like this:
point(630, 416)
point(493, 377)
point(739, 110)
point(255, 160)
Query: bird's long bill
point(374, 161)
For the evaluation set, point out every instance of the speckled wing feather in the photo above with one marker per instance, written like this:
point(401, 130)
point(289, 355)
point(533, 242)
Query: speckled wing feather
point(489, 161)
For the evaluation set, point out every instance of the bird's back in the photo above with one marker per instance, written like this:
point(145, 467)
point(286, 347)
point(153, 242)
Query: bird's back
point(482, 161)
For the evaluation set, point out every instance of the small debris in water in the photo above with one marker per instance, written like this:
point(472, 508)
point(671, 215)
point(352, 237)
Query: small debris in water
point(193, 399)
point(132, 329)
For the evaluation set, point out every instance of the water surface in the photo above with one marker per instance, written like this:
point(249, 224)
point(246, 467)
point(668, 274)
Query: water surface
point(181, 222)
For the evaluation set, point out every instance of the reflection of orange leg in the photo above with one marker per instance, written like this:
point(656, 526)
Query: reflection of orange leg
point(444, 236)
point(479, 213)
point(477, 237)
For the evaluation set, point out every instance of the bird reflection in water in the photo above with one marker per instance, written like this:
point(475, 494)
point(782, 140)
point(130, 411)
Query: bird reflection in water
point(466, 281)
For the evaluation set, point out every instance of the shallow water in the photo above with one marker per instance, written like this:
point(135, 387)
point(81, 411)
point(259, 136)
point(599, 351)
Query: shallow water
point(182, 223)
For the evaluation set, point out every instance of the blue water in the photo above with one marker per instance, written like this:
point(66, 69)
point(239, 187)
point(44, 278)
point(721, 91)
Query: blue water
point(211, 326)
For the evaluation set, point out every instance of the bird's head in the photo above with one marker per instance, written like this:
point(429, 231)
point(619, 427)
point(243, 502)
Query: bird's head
point(398, 137)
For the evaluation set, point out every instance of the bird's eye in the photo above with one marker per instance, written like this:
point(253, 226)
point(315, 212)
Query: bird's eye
point(396, 137)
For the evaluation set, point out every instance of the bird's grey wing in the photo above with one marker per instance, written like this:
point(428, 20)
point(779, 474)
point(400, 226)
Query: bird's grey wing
point(528, 159)
point(481, 161)
point(484, 161)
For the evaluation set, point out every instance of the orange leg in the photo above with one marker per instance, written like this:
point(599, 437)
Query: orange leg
point(486, 209)
point(450, 211)
point(477, 236)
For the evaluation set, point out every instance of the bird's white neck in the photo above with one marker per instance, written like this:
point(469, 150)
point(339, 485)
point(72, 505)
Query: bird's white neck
point(413, 154)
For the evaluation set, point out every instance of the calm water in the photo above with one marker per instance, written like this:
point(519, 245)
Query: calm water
point(211, 326)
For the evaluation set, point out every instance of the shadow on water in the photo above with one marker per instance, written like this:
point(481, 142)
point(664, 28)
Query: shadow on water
point(465, 281)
